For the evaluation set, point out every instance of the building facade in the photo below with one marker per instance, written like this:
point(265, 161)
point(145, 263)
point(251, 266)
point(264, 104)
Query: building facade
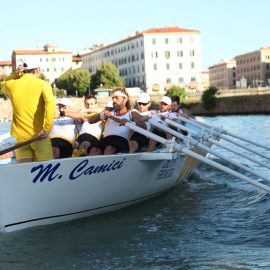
point(52, 60)
point(154, 59)
point(204, 82)
point(223, 75)
point(254, 68)
point(5, 68)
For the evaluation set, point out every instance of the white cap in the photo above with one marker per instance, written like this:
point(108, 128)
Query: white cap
point(166, 100)
point(144, 98)
point(109, 104)
point(66, 102)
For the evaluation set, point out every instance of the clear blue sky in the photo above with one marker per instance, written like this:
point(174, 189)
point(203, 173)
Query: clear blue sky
point(228, 27)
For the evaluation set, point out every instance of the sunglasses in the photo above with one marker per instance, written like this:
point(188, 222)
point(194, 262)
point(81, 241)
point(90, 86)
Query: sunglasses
point(144, 104)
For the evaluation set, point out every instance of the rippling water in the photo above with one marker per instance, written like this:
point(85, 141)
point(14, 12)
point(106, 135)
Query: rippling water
point(213, 221)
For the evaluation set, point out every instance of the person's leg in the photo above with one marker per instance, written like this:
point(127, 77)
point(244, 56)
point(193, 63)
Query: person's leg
point(56, 152)
point(84, 145)
point(42, 150)
point(133, 146)
point(95, 151)
point(24, 154)
point(151, 145)
point(110, 150)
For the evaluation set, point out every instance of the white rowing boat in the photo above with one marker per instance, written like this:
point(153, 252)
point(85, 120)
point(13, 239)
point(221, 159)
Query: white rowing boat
point(60, 190)
point(42, 193)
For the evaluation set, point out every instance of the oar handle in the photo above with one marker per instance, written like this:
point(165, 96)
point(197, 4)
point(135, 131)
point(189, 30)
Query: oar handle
point(4, 136)
point(21, 144)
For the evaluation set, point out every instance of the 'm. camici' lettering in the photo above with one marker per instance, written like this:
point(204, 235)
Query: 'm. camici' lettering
point(83, 169)
point(45, 172)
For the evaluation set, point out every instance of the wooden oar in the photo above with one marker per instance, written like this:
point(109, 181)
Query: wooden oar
point(197, 156)
point(18, 145)
point(218, 134)
point(208, 138)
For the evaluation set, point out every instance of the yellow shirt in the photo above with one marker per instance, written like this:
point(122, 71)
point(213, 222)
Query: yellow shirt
point(33, 106)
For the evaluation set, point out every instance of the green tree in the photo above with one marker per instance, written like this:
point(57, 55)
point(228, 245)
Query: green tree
point(43, 77)
point(74, 81)
point(177, 91)
point(107, 75)
point(209, 98)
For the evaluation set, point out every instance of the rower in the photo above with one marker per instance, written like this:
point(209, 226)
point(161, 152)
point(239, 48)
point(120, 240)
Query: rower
point(115, 137)
point(158, 116)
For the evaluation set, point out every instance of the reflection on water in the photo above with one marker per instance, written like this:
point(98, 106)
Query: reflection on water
point(213, 221)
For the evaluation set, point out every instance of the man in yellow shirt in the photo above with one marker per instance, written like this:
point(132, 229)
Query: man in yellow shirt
point(33, 106)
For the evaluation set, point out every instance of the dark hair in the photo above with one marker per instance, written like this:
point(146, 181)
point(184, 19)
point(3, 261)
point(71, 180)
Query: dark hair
point(124, 91)
point(175, 99)
point(89, 97)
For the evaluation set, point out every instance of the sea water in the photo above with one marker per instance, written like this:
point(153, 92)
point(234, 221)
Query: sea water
point(212, 221)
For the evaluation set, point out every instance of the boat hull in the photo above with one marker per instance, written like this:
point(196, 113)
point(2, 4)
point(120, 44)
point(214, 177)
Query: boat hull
point(42, 193)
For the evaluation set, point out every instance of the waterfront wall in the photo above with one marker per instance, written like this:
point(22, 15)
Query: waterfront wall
point(233, 101)
point(255, 104)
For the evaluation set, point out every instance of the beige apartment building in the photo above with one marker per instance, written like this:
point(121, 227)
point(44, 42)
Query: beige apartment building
point(223, 75)
point(204, 82)
point(154, 59)
point(5, 68)
point(52, 60)
point(254, 68)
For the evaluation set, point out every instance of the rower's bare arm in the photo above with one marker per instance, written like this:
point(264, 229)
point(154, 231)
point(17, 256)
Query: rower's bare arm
point(75, 115)
point(94, 118)
point(138, 119)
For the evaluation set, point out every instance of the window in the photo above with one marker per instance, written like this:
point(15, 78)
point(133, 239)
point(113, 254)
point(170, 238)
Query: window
point(154, 54)
point(181, 79)
point(180, 54)
point(167, 66)
point(180, 65)
point(192, 65)
point(153, 41)
point(167, 54)
point(168, 80)
point(155, 66)
point(192, 53)
point(166, 41)
point(179, 40)
point(193, 79)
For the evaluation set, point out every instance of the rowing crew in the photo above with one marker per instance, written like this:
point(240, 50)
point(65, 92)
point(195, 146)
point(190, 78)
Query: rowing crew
point(90, 133)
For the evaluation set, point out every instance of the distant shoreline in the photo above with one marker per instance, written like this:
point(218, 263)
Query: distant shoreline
point(228, 102)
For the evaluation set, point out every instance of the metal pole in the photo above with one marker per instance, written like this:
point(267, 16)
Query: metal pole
point(196, 143)
point(191, 153)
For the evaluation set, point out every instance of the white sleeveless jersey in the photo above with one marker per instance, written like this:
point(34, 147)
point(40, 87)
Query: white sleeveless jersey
point(93, 129)
point(113, 128)
point(169, 115)
point(148, 113)
point(64, 128)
